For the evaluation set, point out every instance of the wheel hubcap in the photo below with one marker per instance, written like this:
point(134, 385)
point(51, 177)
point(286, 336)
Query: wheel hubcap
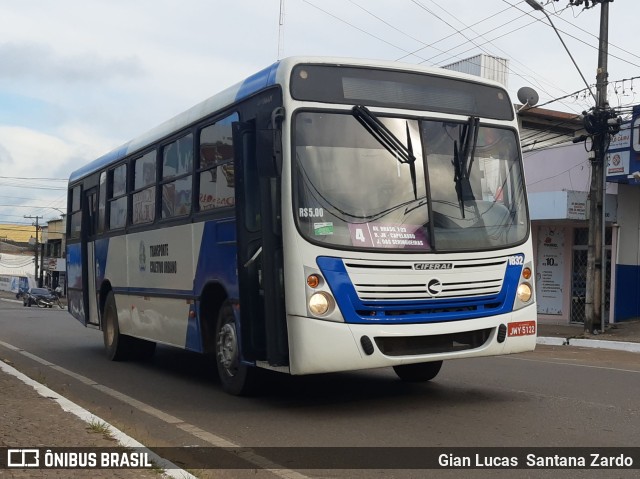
point(110, 330)
point(228, 348)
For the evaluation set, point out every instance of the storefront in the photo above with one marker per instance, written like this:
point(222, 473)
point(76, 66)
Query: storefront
point(560, 237)
point(623, 168)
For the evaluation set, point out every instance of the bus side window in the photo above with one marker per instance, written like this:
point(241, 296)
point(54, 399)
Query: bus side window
point(177, 165)
point(216, 173)
point(118, 201)
point(144, 186)
point(102, 202)
point(76, 213)
point(92, 210)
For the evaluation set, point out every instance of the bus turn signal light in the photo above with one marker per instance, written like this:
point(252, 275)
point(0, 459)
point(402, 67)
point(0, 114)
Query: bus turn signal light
point(526, 273)
point(313, 280)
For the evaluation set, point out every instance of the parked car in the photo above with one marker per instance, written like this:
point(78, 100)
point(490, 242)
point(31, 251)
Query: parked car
point(41, 297)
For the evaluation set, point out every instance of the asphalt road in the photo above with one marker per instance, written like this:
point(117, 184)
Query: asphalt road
point(553, 397)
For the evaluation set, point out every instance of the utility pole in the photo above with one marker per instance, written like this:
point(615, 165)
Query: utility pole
point(600, 124)
point(37, 225)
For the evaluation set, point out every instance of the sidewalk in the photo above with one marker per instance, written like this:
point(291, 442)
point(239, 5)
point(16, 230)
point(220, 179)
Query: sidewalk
point(624, 336)
point(34, 416)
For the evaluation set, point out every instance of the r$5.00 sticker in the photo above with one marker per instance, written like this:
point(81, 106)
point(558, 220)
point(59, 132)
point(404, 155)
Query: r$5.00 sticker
point(311, 212)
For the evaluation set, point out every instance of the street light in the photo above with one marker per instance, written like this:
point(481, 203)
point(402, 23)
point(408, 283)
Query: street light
point(62, 213)
point(536, 6)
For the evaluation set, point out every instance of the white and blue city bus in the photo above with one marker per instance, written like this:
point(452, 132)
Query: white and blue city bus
point(323, 215)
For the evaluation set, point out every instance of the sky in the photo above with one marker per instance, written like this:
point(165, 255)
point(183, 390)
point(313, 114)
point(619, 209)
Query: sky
point(78, 78)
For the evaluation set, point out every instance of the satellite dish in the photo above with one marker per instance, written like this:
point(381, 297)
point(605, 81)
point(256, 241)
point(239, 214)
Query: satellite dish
point(528, 96)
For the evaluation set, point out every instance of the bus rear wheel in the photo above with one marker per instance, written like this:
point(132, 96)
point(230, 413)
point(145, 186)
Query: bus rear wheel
point(236, 378)
point(116, 345)
point(120, 347)
point(418, 372)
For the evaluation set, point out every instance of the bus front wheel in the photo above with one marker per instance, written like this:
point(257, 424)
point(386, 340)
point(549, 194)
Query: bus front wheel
point(418, 372)
point(236, 378)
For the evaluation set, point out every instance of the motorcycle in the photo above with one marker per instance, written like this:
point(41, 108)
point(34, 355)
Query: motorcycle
point(41, 297)
point(45, 303)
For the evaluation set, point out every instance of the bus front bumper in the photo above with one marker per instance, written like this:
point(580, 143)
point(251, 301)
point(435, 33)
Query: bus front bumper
point(317, 346)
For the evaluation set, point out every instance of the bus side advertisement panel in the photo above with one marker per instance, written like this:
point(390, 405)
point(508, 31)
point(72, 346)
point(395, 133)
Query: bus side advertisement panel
point(161, 262)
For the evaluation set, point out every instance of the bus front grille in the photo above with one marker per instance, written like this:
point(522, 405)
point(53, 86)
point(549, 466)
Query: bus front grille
point(440, 343)
point(400, 281)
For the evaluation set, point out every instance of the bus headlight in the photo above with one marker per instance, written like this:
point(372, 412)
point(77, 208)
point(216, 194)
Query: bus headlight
point(524, 292)
point(320, 303)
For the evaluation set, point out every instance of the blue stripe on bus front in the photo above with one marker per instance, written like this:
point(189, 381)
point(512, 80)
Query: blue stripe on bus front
point(354, 310)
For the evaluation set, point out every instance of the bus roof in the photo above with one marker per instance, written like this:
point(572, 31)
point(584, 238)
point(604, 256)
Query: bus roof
point(273, 74)
point(237, 92)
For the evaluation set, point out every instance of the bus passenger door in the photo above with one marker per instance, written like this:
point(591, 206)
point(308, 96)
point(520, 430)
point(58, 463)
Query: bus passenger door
point(87, 237)
point(260, 259)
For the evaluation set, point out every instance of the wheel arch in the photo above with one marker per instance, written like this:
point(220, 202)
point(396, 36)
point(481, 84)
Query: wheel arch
point(105, 288)
point(211, 298)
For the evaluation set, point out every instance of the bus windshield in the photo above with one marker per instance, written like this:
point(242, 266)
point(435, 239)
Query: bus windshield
point(466, 191)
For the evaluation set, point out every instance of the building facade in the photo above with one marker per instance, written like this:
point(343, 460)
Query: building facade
point(53, 264)
point(558, 180)
point(623, 169)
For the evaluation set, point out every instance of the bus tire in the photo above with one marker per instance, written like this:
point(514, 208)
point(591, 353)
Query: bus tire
point(236, 378)
point(116, 345)
point(418, 372)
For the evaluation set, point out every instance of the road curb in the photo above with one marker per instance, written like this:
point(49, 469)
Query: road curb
point(590, 343)
point(551, 341)
point(11, 300)
point(169, 468)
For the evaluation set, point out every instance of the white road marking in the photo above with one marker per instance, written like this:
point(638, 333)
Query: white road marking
point(170, 469)
point(210, 438)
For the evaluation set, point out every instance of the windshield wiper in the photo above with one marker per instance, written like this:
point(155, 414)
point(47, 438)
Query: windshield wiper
point(402, 152)
point(463, 161)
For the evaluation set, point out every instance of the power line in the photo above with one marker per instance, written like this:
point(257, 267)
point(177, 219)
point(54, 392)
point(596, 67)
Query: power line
point(32, 178)
point(354, 26)
point(399, 30)
point(594, 36)
point(27, 206)
point(574, 37)
point(453, 34)
point(34, 187)
point(481, 45)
